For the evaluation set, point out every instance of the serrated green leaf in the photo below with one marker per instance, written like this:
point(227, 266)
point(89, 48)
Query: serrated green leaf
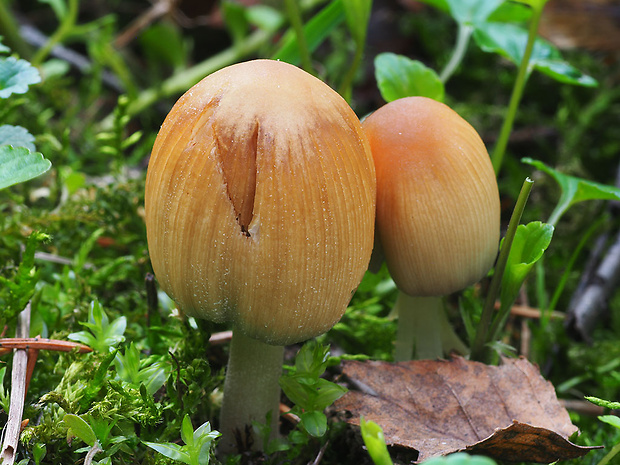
point(16, 136)
point(18, 164)
point(398, 77)
point(80, 428)
point(314, 422)
point(170, 450)
point(510, 41)
point(574, 189)
point(372, 434)
point(316, 30)
point(16, 75)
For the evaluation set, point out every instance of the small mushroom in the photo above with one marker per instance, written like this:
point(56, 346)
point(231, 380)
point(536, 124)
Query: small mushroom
point(438, 214)
point(260, 208)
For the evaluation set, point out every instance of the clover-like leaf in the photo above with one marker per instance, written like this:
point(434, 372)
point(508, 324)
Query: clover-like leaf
point(18, 164)
point(16, 75)
point(398, 76)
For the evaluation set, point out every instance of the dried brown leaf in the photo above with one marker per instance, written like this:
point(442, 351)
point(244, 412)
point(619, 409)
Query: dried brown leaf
point(509, 412)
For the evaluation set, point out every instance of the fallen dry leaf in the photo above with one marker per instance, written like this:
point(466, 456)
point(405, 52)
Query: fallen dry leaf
point(508, 412)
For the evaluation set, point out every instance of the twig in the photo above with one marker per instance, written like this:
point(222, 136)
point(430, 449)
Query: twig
point(18, 392)
point(91, 454)
point(37, 343)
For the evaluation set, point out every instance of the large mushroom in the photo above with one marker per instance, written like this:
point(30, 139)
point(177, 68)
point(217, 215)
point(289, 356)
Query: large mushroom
point(260, 208)
point(438, 214)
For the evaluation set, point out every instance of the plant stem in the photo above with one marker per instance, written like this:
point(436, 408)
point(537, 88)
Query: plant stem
point(478, 349)
point(462, 40)
point(251, 389)
point(347, 82)
point(517, 91)
point(67, 23)
point(294, 16)
point(422, 323)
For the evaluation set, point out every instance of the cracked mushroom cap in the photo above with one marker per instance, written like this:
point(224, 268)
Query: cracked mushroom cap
point(260, 202)
point(438, 211)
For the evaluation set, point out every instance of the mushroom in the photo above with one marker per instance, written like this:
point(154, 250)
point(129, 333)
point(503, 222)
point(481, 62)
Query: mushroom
point(438, 214)
point(260, 209)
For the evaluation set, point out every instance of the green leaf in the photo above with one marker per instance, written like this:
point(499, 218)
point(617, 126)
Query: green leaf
point(170, 450)
point(103, 335)
point(510, 41)
point(235, 19)
point(574, 189)
point(187, 431)
point(460, 458)
point(528, 246)
point(316, 30)
point(535, 4)
point(612, 420)
point(398, 76)
point(315, 423)
point(603, 403)
point(471, 12)
point(18, 164)
point(511, 12)
point(264, 17)
point(16, 136)
point(16, 75)
point(442, 5)
point(78, 427)
point(372, 434)
point(3, 48)
point(59, 7)
point(357, 13)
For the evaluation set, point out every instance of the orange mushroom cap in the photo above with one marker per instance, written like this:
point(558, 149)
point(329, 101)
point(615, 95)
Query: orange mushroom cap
point(438, 212)
point(260, 201)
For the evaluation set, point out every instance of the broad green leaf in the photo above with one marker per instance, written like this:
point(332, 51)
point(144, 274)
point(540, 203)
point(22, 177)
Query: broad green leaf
point(357, 13)
point(170, 450)
point(574, 189)
point(80, 428)
point(510, 41)
point(18, 164)
point(442, 5)
point(398, 76)
point(460, 458)
point(535, 4)
point(528, 246)
point(326, 393)
point(316, 30)
point(16, 75)
point(511, 12)
point(604, 403)
point(315, 423)
point(471, 12)
point(612, 420)
point(16, 136)
point(187, 431)
point(372, 434)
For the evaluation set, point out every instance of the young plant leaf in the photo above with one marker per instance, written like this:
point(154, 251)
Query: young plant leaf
point(510, 40)
point(357, 14)
point(80, 428)
point(16, 136)
point(574, 190)
point(314, 422)
point(18, 164)
point(16, 75)
point(612, 420)
point(170, 450)
point(527, 248)
point(187, 431)
point(398, 76)
point(372, 434)
point(603, 403)
point(472, 12)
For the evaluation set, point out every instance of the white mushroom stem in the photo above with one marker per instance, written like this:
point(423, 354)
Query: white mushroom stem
point(251, 389)
point(424, 331)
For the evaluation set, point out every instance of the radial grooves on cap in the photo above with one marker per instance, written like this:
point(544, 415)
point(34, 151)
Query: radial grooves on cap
point(237, 157)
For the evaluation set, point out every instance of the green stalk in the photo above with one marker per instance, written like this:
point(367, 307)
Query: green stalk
point(462, 40)
point(479, 350)
point(251, 390)
point(517, 91)
point(294, 16)
point(346, 85)
point(423, 325)
point(10, 30)
point(67, 23)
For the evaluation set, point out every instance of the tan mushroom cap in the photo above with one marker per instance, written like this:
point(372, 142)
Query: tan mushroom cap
point(260, 202)
point(438, 212)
